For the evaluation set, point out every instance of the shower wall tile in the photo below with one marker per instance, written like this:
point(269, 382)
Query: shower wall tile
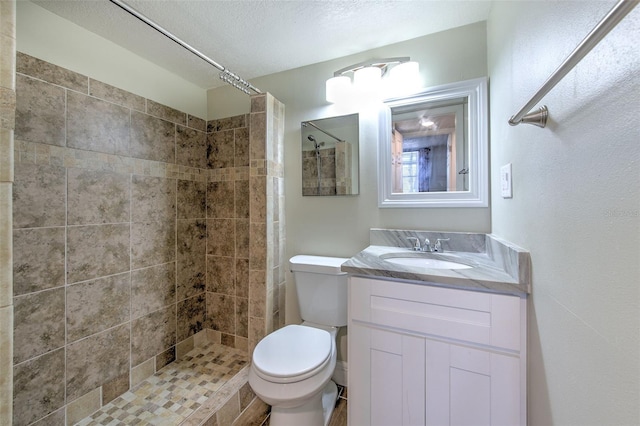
point(166, 113)
point(155, 243)
point(153, 334)
point(227, 123)
point(113, 389)
point(40, 111)
point(7, 106)
point(191, 199)
point(191, 257)
point(117, 96)
point(165, 358)
point(221, 312)
point(257, 294)
point(258, 248)
point(95, 197)
point(258, 199)
point(196, 123)
point(242, 317)
point(221, 275)
point(96, 251)
point(152, 138)
point(38, 323)
point(221, 237)
point(220, 199)
point(97, 305)
point(38, 259)
point(55, 418)
point(97, 360)
point(259, 103)
point(38, 387)
point(241, 158)
point(51, 73)
point(243, 238)
point(152, 288)
point(257, 134)
point(242, 202)
point(39, 196)
point(97, 125)
point(153, 199)
point(242, 278)
point(220, 149)
point(191, 315)
point(191, 147)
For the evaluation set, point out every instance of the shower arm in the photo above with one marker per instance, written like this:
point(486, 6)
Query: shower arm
point(225, 75)
point(323, 131)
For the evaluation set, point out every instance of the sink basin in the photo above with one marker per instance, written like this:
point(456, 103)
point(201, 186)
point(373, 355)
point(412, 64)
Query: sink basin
point(424, 260)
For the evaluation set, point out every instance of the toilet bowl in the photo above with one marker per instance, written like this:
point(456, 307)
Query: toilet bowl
point(292, 367)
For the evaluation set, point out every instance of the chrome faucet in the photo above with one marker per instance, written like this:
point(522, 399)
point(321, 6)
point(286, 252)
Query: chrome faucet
point(427, 245)
point(416, 244)
point(438, 245)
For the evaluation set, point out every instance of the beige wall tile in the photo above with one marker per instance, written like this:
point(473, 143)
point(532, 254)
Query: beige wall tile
point(95, 197)
point(191, 147)
point(6, 364)
point(40, 111)
point(38, 387)
point(155, 243)
point(6, 155)
point(97, 250)
point(143, 370)
point(152, 288)
point(153, 334)
point(6, 245)
point(229, 411)
point(166, 113)
point(38, 324)
point(152, 138)
point(191, 199)
point(118, 96)
point(97, 305)
point(97, 360)
point(51, 73)
point(83, 406)
point(191, 314)
point(39, 196)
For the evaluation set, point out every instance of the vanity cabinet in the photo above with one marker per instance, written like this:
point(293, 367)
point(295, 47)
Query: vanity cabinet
point(427, 355)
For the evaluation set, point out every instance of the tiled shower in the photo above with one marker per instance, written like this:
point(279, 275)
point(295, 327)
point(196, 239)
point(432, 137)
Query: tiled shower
point(135, 226)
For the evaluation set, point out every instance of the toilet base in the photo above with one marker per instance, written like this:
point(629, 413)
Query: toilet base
point(316, 412)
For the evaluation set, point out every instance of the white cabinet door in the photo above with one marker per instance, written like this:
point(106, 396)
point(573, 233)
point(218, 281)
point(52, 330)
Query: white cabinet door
point(388, 371)
point(470, 386)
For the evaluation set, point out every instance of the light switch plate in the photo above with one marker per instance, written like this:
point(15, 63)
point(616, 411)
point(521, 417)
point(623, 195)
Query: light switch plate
point(505, 181)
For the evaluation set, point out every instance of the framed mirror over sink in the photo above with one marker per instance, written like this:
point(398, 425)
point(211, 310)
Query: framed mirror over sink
point(433, 149)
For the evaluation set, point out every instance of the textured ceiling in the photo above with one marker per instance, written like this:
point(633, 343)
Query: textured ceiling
point(260, 37)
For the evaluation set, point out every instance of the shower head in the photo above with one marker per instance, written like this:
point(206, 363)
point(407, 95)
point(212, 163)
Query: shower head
point(311, 138)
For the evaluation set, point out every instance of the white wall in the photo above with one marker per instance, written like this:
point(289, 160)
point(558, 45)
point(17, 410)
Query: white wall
point(575, 206)
point(49, 37)
point(339, 226)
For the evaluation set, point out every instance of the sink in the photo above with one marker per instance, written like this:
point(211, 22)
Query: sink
point(424, 260)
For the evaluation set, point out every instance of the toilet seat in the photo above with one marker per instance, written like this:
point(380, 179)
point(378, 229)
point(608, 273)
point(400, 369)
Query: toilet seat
point(292, 353)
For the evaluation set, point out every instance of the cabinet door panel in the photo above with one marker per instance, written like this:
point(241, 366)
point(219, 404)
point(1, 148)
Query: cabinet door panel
point(467, 386)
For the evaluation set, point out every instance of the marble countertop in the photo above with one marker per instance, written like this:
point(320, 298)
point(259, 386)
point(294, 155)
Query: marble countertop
point(497, 271)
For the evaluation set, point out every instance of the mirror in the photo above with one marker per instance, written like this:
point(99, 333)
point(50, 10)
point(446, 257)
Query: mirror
point(433, 149)
point(330, 156)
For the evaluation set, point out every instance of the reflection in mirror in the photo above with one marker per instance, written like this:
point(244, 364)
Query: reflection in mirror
point(429, 147)
point(433, 148)
point(330, 156)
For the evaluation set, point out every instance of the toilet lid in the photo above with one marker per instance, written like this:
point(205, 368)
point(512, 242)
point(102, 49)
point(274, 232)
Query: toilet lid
point(292, 351)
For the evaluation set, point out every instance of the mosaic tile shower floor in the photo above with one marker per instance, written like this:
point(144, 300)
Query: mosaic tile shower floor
point(175, 392)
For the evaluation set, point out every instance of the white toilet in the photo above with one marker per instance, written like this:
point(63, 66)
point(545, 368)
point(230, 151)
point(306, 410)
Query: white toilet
point(291, 368)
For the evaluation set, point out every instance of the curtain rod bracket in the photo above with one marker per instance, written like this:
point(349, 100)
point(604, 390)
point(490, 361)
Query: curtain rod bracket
point(537, 118)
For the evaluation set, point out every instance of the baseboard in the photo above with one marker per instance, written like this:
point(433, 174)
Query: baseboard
point(340, 373)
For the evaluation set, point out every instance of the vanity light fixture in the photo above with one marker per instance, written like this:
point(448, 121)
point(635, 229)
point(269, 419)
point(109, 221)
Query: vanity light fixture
point(374, 79)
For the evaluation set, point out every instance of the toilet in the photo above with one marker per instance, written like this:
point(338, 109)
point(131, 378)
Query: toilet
point(291, 368)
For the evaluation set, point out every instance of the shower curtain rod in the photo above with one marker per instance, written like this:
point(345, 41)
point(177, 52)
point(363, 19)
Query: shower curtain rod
point(323, 131)
point(225, 75)
point(539, 117)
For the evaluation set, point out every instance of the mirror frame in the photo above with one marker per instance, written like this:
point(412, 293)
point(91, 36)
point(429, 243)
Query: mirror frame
point(475, 91)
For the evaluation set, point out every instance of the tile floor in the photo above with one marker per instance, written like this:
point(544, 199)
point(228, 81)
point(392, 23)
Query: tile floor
point(174, 393)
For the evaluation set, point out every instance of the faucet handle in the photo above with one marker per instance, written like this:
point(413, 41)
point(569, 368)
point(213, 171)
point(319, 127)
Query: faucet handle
point(416, 244)
point(438, 246)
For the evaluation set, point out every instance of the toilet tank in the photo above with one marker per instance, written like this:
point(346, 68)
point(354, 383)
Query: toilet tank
point(321, 288)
